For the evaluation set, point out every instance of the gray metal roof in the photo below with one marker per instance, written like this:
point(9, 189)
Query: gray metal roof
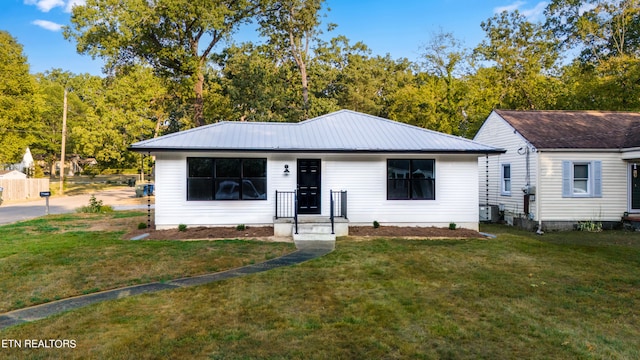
point(341, 131)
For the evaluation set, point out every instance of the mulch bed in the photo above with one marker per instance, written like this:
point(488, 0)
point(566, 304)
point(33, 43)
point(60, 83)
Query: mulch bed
point(252, 232)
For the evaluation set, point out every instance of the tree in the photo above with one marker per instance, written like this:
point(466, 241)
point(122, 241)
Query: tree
point(258, 87)
point(17, 89)
point(128, 108)
point(599, 28)
point(291, 26)
point(524, 55)
point(167, 34)
point(446, 61)
point(49, 102)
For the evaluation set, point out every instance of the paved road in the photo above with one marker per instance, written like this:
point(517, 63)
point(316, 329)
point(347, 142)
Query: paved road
point(120, 199)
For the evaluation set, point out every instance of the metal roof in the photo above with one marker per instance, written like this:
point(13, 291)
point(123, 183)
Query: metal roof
point(341, 131)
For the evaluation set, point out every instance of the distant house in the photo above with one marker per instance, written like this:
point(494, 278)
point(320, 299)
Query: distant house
point(12, 174)
point(561, 167)
point(368, 168)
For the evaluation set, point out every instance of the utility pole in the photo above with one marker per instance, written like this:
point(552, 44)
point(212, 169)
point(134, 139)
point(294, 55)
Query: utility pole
point(64, 141)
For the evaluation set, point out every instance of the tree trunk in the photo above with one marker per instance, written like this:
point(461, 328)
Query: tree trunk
point(305, 89)
point(198, 105)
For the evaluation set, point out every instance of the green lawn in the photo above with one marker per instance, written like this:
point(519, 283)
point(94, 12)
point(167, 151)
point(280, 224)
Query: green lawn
point(55, 257)
point(567, 295)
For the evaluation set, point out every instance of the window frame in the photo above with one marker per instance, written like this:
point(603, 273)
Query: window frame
point(410, 181)
point(593, 180)
point(503, 180)
point(588, 180)
point(215, 181)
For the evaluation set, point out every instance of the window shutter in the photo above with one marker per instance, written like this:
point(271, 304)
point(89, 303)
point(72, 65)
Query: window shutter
point(566, 179)
point(597, 178)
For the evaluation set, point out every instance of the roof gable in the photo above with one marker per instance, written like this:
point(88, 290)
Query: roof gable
point(341, 131)
point(576, 129)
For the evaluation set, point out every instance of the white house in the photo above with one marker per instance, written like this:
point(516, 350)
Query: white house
point(368, 168)
point(562, 167)
point(12, 174)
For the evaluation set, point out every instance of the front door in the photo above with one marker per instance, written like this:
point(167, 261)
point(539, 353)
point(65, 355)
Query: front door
point(635, 187)
point(309, 186)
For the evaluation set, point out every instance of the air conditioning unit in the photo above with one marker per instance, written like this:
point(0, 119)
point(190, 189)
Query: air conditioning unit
point(489, 213)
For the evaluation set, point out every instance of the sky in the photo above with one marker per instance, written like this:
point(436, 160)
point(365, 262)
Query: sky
point(398, 28)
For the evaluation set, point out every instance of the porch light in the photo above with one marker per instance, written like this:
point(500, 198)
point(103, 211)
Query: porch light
point(286, 169)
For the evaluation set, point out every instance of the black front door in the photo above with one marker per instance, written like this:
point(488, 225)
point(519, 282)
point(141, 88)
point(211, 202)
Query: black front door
point(309, 186)
point(635, 187)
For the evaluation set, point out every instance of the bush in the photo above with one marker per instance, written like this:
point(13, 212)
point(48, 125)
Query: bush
point(95, 207)
point(452, 226)
point(376, 224)
point(590, 226)
point(142, 226)
point(241, 227)
point(182, 227)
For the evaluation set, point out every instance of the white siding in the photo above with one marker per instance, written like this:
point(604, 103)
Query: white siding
point(609, 207)
point(497, 132)
point(362, 176)
point(365, 179)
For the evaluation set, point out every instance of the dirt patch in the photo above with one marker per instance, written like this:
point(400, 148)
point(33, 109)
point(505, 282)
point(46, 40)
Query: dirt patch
point(250, 232)
point(266, 232)
point(423, 232)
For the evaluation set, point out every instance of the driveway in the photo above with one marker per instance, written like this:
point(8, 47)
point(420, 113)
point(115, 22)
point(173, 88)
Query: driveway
point(120, 199)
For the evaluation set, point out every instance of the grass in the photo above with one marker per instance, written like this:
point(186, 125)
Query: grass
point(562, 296)
point(59, 256)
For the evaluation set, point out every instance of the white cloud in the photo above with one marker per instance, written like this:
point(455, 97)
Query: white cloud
point(45, 5)
point(72, 3)
point(508, 8)
point(532, 14)
point(536, 13)
point(48, 25)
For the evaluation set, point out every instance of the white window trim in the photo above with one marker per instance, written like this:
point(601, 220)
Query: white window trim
point(589, 192)
point(503, 191)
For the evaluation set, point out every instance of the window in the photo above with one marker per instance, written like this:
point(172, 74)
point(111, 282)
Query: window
point(582, 179)
point(226, 179)
point(506, 179)
point(411, 179)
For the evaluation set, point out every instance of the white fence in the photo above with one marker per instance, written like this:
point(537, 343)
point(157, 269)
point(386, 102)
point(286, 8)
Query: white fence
point(20, 189)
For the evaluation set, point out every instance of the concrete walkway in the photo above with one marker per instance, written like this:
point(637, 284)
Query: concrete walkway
point(45, 310)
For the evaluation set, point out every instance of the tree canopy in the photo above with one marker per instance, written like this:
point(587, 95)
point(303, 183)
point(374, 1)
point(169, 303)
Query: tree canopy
point(174, 64)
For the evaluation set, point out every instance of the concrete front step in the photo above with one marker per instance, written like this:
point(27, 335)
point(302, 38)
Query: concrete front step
point(313, 235)
point(314, 228)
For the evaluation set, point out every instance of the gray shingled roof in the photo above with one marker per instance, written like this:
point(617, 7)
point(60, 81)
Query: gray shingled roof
point(576, 129)
point(341, 131)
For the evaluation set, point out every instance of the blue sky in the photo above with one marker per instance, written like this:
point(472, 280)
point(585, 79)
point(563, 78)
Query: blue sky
point(398, 28)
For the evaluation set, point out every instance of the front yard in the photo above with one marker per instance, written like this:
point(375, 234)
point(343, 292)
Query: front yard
point(561, 295)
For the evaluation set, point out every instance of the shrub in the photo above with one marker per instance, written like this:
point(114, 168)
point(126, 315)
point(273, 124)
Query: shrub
point(452, 226)
point(182, 227)
point(95, 207)
point(241, 227)
point(590, 226)
point(376, 224)
point(142, 226)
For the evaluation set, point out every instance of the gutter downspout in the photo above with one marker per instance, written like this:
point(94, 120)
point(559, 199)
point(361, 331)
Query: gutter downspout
point(538, 202)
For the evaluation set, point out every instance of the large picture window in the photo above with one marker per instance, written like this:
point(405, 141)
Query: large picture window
point(411, 179)
point(226, 179)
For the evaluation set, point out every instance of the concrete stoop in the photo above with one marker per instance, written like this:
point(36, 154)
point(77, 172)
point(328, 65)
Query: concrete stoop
point(314, 236)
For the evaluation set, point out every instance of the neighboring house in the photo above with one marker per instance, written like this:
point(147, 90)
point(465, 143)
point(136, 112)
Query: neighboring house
point(26, 165)
point(11, 174)
point(228, 173)
point(561, 167)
